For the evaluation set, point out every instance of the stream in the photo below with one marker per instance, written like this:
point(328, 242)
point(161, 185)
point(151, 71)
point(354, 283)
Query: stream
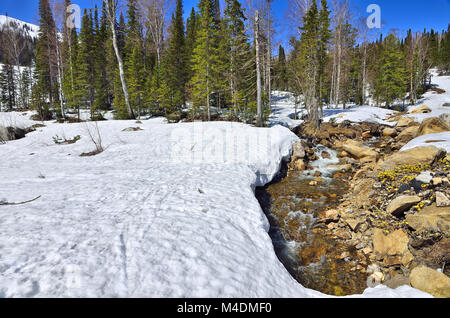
point(292, 205)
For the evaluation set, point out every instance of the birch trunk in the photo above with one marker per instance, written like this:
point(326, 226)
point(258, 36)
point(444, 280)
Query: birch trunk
point(259, 118)
point(111, 11)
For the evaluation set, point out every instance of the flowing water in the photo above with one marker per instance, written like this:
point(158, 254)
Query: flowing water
point(311, 256)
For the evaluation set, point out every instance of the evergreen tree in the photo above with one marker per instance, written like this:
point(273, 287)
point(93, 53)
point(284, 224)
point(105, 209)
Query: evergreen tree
point(45, 89)
point(324, 39)
point(101, 101)
point(7, 86)
point(176, 60)
point(281, 77)
point(134, 58)
point(85, 63)
point(205, 58)
point(236, 54)
point(390, 82)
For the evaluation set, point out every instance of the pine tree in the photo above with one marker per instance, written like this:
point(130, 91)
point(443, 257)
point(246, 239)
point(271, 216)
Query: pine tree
point(45, 88)
point(236, 54)
point(101, 101)
point(390, 83)
point(134, 58)
point(308, 61)
point(85, 63)
point(205, 58)
point(7, 86)
point(176, 60)
point(281, 79)
point(324, 39)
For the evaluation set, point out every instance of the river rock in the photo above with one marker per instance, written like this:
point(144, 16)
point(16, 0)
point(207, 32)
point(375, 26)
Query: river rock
point(430, 216)
point(405, 121)
point(358, 151)
point(298, 151)
point(430, 281)
point(330, 216)
point(408, 134)
point(392, 248)
point(389, 132)
point(343, 154)
point(298, 165)
point(344, 167)
point(325, 155)
point(397, 281)
point(401, 204)
point(421, 110)
point(442, 200)
point(432, 125)
point(354, 224)
point(413, 156)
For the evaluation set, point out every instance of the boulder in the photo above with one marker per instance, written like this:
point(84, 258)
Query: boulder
point(430, 281)
point(389, 132)
point(325, 155)
point(421, 110)
point(357, 150)
point(408, 134)
point(442, 200)
point(298, 151)
point(298, 165)
point(413, 156)
point(401, 204)
point(397, 281)
point(432, 125)
point(344, 167)
point(405, 121)
point(430, 216)
point(392, 248)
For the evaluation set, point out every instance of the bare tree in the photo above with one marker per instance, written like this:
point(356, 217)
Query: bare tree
point(259, 119)
point(154, 15)
point(111, 9)
point(418, 66)
point(340, 19)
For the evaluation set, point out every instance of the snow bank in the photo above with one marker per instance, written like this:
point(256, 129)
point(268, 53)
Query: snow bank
point(359, 114)
point(434, 100)
point(160, 213)
point(439, 140)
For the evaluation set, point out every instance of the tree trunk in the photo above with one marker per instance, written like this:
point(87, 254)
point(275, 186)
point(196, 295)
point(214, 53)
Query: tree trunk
point(259, 117)
point(112, 21)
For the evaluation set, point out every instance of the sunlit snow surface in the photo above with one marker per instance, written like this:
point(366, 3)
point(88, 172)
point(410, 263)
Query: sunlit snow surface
point(145, 218)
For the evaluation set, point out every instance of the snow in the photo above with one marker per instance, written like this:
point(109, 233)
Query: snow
point(283, 110)
point(439, 140)
point(168, 211)
point(433, 100)
point(359, 114)
point(32, 30)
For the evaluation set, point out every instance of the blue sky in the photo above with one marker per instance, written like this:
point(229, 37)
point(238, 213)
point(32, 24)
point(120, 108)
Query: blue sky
point(396, 14)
